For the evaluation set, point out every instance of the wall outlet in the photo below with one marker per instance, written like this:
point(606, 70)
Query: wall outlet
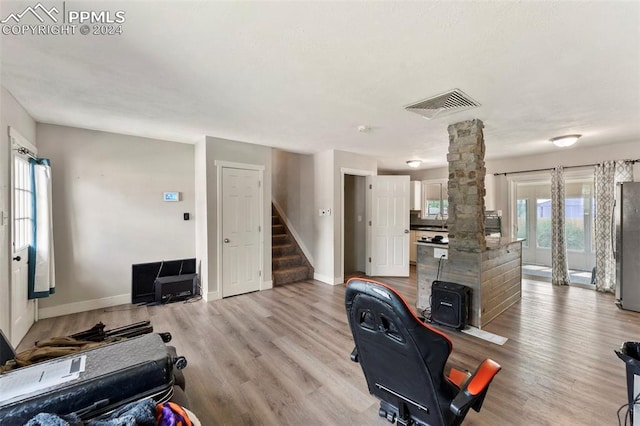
point(439, 253)
point(324, 212)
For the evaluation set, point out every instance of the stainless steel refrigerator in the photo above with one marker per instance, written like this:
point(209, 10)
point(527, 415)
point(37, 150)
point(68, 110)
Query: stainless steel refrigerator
point(627, 222)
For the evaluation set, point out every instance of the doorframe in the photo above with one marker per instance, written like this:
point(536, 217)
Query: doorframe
point(16, 141)
point(220, 164)
point(354, 172)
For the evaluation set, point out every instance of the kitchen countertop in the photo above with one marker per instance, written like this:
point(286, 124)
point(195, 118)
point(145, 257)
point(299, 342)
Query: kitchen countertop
point(427, 228)
point(492, 242)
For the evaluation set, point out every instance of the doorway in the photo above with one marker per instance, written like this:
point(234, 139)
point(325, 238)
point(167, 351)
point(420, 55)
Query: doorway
point(355, 230)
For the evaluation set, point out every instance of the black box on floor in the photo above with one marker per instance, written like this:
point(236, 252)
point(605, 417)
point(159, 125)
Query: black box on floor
point(450, 304)
point(175, 287)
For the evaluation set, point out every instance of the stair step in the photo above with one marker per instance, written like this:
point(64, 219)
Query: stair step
point(291, 275)
point(282, 262)
point(278, 229)
point(282, 250)
point(280, 239)
point(275, 220)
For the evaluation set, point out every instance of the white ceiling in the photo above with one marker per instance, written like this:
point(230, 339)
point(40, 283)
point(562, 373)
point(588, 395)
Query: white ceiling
point(302, 76)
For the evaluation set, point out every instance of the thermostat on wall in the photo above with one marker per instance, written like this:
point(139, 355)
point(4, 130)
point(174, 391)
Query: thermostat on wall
point(171, 196)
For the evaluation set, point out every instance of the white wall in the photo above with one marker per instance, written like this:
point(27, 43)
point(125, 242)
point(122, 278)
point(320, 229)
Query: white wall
point(14, 115)
point(237, 152)
point(108, 212)
point(323, 237)
point(201, 215)
point(293, 191)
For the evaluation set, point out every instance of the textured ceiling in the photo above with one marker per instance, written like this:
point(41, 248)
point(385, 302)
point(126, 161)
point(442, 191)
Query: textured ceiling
point(302, 76)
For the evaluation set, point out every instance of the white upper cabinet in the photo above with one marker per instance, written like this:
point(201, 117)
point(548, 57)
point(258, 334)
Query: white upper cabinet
point(415, 203)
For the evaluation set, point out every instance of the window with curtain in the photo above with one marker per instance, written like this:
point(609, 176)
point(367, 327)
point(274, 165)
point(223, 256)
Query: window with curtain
point(22, 205)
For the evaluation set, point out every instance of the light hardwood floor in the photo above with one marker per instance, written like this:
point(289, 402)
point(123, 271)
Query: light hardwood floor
point(282, 356)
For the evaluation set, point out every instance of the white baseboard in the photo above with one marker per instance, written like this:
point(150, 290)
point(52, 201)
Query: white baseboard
point(212, 295)
point(266, 285)
point(293, 231)
point(327, 280)
point(86, 305)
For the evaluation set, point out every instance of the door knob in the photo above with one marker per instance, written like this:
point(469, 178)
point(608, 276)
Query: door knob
point(17, 258)
point(406, 231)
point(226, 240)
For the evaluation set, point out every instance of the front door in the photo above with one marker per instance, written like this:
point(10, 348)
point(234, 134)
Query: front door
point(241, 219)
point(388, 215)
point(22, 309)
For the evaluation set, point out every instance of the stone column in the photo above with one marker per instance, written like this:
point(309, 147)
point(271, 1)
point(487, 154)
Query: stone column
point(466, 187)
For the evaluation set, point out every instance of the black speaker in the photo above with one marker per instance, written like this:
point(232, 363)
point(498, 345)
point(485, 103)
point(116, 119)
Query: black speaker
point(450, 304)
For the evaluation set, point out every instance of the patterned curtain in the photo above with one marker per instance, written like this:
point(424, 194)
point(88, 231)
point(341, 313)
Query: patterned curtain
point(559, 261)
point(607, 174)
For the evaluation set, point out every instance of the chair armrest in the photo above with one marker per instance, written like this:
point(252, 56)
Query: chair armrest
point(458, 377)
point(354, 355)
point(474, 390)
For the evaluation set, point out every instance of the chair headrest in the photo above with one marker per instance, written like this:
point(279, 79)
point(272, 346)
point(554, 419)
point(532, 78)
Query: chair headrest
point(387, 294)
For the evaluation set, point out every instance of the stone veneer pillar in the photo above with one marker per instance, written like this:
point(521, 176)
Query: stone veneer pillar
point(466, 187)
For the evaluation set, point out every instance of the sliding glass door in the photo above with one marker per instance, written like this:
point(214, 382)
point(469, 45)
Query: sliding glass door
point(533, 221)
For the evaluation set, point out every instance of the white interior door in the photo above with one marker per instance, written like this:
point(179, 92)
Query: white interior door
point(388, 216)
point(23, 310)
point(241, 228)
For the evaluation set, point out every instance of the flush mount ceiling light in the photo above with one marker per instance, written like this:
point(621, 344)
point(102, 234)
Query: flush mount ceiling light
point(414, 163)
point(566, 140)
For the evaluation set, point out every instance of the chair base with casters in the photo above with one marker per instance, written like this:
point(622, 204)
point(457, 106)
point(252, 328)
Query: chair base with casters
point(403, 360)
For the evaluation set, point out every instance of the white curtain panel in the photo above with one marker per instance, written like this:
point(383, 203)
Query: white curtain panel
point(559, 261)
point(44, 280)
point(607, 174)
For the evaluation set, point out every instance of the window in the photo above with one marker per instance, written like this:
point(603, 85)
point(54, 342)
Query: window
point(436, 200)
point(22, 205)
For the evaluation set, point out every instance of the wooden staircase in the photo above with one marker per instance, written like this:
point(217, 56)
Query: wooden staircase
point(288, 262)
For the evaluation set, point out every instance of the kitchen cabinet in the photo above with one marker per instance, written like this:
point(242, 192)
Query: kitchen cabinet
point(415, 202)
point(413, 248)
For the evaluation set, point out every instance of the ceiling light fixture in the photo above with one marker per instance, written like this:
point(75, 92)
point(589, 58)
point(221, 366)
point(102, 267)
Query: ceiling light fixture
point(566, 140)
point(414, 163)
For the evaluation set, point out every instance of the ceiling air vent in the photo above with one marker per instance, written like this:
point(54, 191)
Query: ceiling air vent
point(447, 103)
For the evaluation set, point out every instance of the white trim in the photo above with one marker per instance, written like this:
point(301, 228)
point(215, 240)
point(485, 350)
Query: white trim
point(266, 285)
point(354, 172)
point(295, 234)
point(86, 305)
point(213, 295)
point(234, 165)
point(327, 280)
point(18, 140)
point(221, 164)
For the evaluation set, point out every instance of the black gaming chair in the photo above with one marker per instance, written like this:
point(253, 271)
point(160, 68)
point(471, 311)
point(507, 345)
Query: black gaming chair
point(403, 360)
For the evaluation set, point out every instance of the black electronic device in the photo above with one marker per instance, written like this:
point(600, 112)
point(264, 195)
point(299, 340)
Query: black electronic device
point(450, 304)
point(143, 276)
point(437, 239)
point(175, 287)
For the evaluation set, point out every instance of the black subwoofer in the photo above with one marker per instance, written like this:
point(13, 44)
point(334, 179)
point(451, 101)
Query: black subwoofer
point(450, 304)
